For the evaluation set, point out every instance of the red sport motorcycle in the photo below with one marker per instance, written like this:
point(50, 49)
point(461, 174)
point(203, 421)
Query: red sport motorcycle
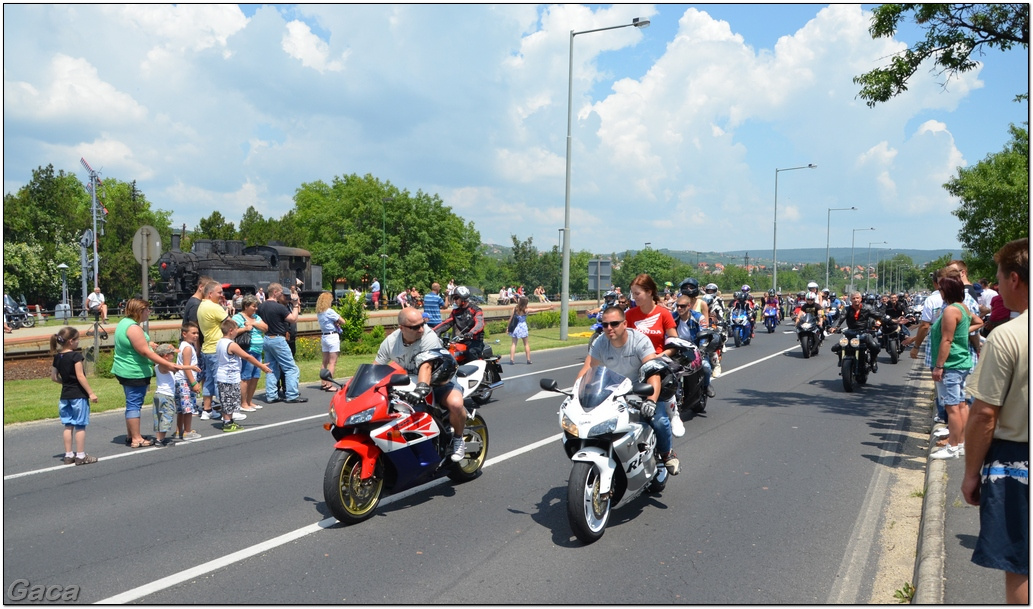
point(385, 444)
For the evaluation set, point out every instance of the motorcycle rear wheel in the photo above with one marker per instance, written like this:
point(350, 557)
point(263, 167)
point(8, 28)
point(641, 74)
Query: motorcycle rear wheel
point(848, 375)
point(586, 511)
point(805, 344)
point(350, 499)
point(29, 321)
point(894, 349)
point(475, 433)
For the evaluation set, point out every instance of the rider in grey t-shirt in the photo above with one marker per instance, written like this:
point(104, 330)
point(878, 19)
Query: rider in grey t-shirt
point(627, 359)
point(395, 349)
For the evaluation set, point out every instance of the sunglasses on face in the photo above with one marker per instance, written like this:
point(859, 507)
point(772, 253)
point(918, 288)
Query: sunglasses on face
point(412, 327)
point(611, 324)
point(683, 306)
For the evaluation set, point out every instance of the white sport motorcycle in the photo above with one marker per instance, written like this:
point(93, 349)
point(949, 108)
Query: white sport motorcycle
point(612, 446)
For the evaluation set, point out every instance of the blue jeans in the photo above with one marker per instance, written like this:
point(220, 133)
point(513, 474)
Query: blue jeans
point(134, 400)
point(279, 358)
point(708, 370)
point(210, 365)
point(661, 424)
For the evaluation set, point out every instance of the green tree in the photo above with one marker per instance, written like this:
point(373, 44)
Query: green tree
point(994, 206)
point(254, 229)
point(215, 226)
point(119, 271)
point(953, 32)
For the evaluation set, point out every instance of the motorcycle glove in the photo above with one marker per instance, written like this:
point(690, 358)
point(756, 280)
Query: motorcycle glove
point(420, 393)
point(647, 409)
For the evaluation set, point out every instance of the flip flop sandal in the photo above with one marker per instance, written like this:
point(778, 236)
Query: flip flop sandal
point(141, 444)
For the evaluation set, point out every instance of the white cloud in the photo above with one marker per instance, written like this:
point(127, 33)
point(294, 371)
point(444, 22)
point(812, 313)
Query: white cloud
point(300, 43)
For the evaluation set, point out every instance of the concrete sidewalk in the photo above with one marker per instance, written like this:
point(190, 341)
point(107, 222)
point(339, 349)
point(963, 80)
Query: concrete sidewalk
point(944, 571)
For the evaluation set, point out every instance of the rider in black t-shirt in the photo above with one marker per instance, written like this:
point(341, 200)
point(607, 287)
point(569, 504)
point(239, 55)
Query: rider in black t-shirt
point(466, 320)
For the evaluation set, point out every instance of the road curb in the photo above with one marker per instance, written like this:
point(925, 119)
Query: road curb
point(930, 555)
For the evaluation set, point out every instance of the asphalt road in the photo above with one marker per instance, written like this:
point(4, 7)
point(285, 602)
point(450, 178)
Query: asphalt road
point(778, 502)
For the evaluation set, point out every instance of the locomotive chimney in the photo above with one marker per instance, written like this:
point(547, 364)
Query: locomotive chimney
point(176, 239)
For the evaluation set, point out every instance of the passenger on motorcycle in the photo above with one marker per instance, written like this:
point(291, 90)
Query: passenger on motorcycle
point(716, 319)
point(860, 316)
point(690, 288)
point(812, 288)
point(689, 322)
point(657, 323)
point(716, 303)
point(421, 353)
point(744, 302)
point(624, 352)
point(466, 322)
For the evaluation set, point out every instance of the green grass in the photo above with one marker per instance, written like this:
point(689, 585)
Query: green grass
point(36, 399)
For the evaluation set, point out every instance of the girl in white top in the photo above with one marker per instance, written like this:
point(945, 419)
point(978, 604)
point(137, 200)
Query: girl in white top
point(187, 384)
point(329, 326)
point(227, 378)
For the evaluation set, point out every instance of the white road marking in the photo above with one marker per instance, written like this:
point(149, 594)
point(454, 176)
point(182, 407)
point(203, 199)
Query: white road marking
point(177, 578)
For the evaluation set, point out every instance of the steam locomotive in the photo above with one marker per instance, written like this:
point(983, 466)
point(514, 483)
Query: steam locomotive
point(236, 266)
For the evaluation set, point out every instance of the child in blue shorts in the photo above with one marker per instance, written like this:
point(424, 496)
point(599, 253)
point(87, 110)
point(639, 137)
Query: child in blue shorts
point(165, 394)
point(76, 395)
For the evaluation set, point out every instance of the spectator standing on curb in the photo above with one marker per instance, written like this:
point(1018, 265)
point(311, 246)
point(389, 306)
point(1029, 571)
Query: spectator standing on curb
point(931, 308)
point(433, 303)
point(330, 341)
point(997, 435)
point(228, 378)
point(209, 319)
point(260, 295)
point(249, 319)
point(518, 329)
point(164, 394)
point(450, 292)
point(187, 385)
point(190, 308)
point(277, 352)
point(76, 394)
point(948, 338)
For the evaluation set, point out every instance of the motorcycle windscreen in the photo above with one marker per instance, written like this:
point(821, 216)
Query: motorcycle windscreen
point(598, 384)
point(366, 377)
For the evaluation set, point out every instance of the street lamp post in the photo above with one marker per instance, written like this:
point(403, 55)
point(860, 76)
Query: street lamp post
point(828, 225)
point(774, 236)
point(852, 237)
point(868, 266)
point(565, 288)
point(383, 241)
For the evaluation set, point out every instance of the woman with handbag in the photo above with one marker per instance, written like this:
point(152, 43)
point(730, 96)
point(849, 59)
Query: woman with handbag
point(330, 343)
point(518, 329)
point(253, 342)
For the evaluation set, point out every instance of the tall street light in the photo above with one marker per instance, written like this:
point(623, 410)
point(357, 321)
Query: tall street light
point(828, 225)
point(565, 288)
point(852, 237)
point(868, 266)
point(774, 237)
point(383, 241)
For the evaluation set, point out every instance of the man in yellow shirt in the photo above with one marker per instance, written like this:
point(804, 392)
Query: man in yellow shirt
point(209, 317)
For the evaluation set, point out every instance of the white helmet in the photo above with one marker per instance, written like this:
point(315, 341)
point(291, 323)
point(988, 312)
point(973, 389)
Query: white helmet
point(813, 285)
point(811, 296)
point(711, 287)
point(462, 293)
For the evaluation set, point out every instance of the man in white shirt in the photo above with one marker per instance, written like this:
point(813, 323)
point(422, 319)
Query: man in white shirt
point(95, 303)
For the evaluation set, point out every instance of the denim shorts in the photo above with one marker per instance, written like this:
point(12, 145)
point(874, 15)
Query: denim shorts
point(210, 366)
point(75, 411)
point(134, 399)
point(1003, 541)
point(249, 371)
point(952, 388)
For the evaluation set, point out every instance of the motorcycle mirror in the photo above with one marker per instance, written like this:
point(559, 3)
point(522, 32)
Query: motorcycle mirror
point(548, 385)
point(325, 374)
point(399, 379)
point(642, 389)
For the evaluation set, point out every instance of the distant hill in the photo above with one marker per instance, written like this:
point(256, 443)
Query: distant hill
point(813, 255)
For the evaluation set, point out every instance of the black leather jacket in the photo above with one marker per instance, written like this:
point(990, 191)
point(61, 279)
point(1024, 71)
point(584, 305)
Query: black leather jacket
point(859, 319)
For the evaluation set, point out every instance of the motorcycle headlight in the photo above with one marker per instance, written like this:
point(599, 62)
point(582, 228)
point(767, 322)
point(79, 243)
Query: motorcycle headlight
point(806, 326)
point(603, 428)
point(568, 425)
point(855, 343)
point(360, 417)
point(844, 342)
point(332, 415)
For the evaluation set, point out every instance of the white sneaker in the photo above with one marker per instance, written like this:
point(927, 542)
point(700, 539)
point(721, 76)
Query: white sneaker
point(941, 432)
point(717, 371)
point(677, 427)
point(239, 416)
point(458, 450)
point(248, 409)
point(947, 452)
point(206, 415)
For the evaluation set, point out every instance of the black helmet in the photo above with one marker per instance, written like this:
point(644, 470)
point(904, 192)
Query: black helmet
point(739, 295)
point(771, 292)
point(690, 287)
point(662, 366)
point(443, 365)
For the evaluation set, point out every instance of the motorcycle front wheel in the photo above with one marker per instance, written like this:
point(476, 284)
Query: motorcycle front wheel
point(351, 499)
point(805, 344)
point(848, 375)
point(475, 433)
point(29, 321)
point(586, 510)
point(737, 335)
point(894, 349)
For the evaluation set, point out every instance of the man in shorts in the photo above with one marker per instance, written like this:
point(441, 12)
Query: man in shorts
point(997, 434)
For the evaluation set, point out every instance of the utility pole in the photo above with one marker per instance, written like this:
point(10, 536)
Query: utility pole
point(747, 263)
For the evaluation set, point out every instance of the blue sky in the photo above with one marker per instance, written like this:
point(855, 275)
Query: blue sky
point(678, 129)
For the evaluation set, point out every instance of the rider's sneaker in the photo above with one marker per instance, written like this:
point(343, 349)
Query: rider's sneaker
point(875, 366)
point(458, 450)
point(710, 391)
point(717, 371)
point(677, 427)
point(672, 463)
